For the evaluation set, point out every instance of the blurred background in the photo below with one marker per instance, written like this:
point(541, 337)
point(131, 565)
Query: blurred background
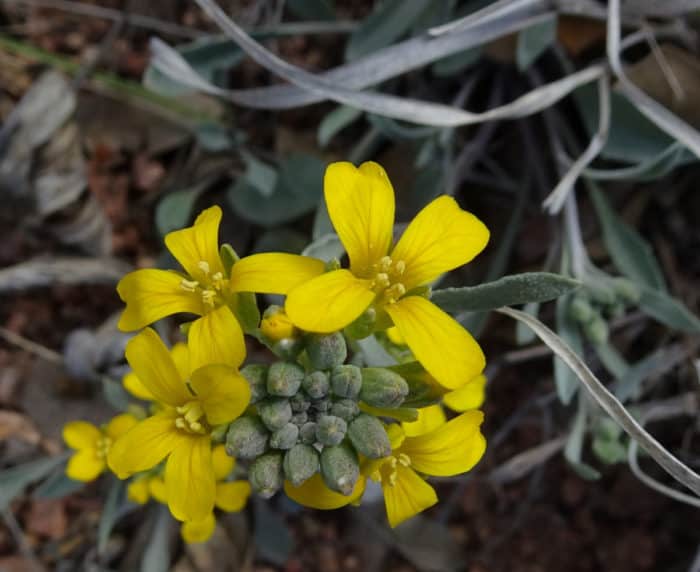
point(103, 150)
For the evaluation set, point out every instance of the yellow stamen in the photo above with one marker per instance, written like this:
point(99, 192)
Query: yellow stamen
point(188, 285)
point(191, 418)
point(204, 266)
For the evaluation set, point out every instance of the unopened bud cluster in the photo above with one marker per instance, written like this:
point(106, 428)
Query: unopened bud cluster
point(599, 301)
point(306, 417)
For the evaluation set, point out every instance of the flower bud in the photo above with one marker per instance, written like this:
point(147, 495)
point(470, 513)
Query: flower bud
point(580, 310)
point(246, 438)
point(364, 325)
point(326, 351)
point(285, 437)
point(300, 463)
point(321, 405)
point(368, 436)
point(601, 292)
point(383, 387)
point(276, 325)
point(307, 433)
point(299, 403)
point(300, 418)
point(346, 409)
point(627, 290)
point(596, 330)
point(284, 378)
point(288, 348)
point(340, 468)
point(275, 413)
point(316, 384)
point(330, 430)
point(256, 376)
point(265, 474)
point(346, 381)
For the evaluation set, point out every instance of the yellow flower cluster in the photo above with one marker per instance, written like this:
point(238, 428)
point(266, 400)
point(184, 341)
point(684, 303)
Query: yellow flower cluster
point(195, 390)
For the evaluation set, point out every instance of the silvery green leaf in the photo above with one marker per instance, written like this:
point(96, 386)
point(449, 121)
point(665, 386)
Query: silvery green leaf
point(387, 23)
point(564, 377)
point(326, 248)
point(259, 175)
point(506, 291)
point(668, 311)
point(111, 511)
point(13, 481)
point(312, 9)
point(631, 254)
point(174, 210)
point(57, 486)
point(156, 557)
point(574, 444)
point(273, 540)
point(534, 40)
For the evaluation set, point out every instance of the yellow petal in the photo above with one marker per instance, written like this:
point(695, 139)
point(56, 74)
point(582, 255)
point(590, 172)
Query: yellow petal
point(216, 337)
point(470, 396)
point(80, 434)
point(85, 465)
point(395, 336)
point(273, 272)
point(156, 486)
point(328, 303)
point(429, 418)
point(440, 238)
point(449, 450)
point(196, 248)
point(222, 391)
point(133, 385)
point(144, 446)
point(315, 494)
point(189, 479)
point(137, 491)
point(361, 206)
point(181, 358)
point(443, 347)
point(193, 531)
point(120, 424)
point(223, 464)
point(408, 496)
point(151, 362)
point(152, 294)
point(232, 496)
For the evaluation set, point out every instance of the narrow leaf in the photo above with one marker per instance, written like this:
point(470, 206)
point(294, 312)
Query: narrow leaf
point(668, 311)
point(110, 514)
point(326, 248)
point(628, 250)
point(13, 481)
point(533, 41)
point(564, 377)
point(506, 291)
point(336, 121)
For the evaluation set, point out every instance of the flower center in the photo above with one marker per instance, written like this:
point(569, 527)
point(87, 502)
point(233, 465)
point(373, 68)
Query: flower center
point(191, 418)
point(102, 446)
point(211, 287)
point(386, 281)
point(386, 473)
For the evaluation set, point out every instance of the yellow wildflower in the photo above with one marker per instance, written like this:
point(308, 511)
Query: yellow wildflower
point(448, 449)
point(276, 325)
point(180, 431)
point(92, 444)
point(180, 355)
point(440, 238)
point(143, 488)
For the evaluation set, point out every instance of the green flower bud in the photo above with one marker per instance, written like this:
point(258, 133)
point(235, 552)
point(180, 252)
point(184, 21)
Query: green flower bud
point(300, 418)
point(284, 378)
point(326, 351)
point(346, 381)
point(363, 326)
point(288, 348)
point(299, 403)
point(340, 468)
point(330, 430)
point(596, 330)
point(284, 438)
point(617, 310)
point(581, 310)
point(383, 387)
point(627, 290)
point(601, 293)
point(307, 433)
point(265, 474)
point(275, 413)
point(256, 376)
point(301, 462)
point(316, 384)
point(246, 438)
point(345, 409)
point(321, 405)
point(368, 436)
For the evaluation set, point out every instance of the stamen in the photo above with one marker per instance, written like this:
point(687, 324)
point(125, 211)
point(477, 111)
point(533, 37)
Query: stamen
point(191, 419)
point(188, 285)
point(400, 267)
point(208, 296)
point(404, 460)
point(204, 266)
point(385, 263)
